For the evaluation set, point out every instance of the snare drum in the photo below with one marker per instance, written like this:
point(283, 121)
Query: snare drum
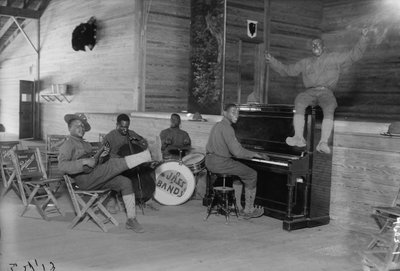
point(175, 183)
point(195, 161)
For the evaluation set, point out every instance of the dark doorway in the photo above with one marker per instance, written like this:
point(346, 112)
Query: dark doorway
point(26, 105)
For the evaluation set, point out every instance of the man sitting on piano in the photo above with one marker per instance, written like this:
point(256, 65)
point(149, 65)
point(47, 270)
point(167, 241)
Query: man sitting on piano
point(221, 148)
point(320, 75)
point(76, 159)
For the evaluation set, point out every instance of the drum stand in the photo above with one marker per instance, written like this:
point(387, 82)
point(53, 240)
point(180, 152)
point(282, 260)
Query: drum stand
point(196, 180)
point(196, 175)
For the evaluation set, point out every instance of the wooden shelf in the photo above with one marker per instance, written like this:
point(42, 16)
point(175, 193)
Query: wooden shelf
point(57, 97)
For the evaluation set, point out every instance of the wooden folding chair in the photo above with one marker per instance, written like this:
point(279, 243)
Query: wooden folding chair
point(32, 180)
point(53, 144)
point(384, 216)
point(7, 168)
point(385, 259)
point(88, 204)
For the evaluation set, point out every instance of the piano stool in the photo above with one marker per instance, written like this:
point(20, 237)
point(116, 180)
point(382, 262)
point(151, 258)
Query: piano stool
point(223, 199)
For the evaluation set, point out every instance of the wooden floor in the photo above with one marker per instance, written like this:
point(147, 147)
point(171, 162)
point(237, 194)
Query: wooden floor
point(176, 238)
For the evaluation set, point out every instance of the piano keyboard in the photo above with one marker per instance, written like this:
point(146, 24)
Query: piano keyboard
point(282, 164)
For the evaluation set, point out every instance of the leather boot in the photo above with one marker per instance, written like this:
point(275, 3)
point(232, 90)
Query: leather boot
point(249, 210)
point(238, 187)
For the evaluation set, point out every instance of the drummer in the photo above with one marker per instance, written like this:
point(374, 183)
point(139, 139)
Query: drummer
point(221, 147)
point(75, 159)
point(175, 142)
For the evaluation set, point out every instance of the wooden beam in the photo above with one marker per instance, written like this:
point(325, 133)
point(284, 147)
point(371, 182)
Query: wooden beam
point(43, 6)
point(267, 42)
point(11, 37)
point(6, 26)
point(19, 12)
point(25, 35)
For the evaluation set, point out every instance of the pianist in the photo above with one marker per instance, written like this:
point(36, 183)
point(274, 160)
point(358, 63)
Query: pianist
point(221, 147)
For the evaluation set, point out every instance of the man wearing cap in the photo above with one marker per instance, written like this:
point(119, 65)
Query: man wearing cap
point(174, 139)
point(75, 159)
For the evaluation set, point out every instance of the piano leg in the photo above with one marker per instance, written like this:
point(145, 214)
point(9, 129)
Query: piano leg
point(289, 201)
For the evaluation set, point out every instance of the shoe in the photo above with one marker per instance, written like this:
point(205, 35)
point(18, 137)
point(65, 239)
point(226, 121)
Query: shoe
point(133, 224)
point(296, 141)
point(241, 212)
point(257, 212)
point(323, 148)
point(151, 206)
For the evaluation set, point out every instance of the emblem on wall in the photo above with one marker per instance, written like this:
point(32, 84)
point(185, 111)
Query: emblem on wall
point(251, 28)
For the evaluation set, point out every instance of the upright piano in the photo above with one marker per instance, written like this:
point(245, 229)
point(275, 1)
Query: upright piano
point(294, 184)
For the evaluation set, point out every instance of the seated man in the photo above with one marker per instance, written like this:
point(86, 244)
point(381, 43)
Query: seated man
point(174, 139)
point(118, 139)
point(74, 159)
point(221, 147)
point(122, 142)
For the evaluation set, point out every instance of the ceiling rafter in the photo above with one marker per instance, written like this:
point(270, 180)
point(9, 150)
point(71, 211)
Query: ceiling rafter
point(20, 10)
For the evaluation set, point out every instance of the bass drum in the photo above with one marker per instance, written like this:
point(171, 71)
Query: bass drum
point(175, 183)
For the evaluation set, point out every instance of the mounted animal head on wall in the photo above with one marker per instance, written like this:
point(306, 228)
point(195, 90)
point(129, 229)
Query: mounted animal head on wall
point(84, 35)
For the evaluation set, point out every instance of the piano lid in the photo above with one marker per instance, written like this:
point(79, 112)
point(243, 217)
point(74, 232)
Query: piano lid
point(264, 128)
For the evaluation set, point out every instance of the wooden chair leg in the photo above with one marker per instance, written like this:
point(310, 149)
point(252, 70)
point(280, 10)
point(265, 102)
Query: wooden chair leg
point(51, 197)
point(107, 214)
point(41, 207)
point(29, 200)
point(94, 207)
point(96, 219)
point(85, 207)
point(89, 209)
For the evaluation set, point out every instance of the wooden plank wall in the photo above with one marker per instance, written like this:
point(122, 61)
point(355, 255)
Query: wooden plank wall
point(150, 127)
point(365, 172)
point(237, 14)
point(168, 56)
point(370, 87)
point(15, 65)
point(105, 79)
point(292, 24)
point(366, 165)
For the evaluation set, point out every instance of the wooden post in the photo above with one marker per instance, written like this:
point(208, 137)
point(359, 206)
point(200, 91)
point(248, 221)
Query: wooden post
point(142, 18)
point(267, 32)
point(223, 60)
point(36, 104)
